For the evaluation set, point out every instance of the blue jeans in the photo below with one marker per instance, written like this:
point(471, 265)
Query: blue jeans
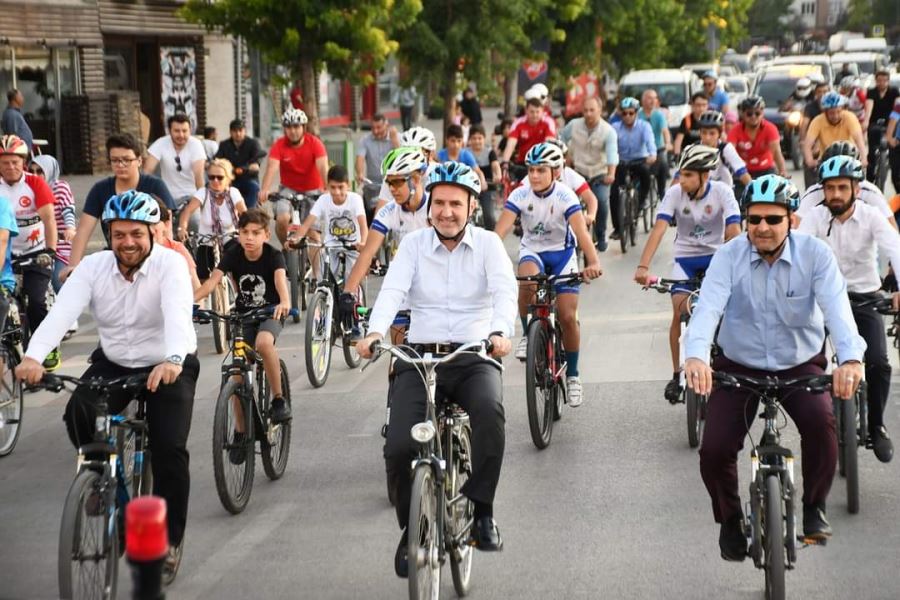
point(601, 190)
point(58, 266)
point(249, 189)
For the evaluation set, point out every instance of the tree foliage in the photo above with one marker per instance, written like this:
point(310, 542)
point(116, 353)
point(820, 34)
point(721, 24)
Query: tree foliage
point(862, 14)
point(769, 19)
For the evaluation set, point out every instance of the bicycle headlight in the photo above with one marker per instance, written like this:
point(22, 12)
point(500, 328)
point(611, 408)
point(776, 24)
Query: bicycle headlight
point(794, 118)
point(423, 432)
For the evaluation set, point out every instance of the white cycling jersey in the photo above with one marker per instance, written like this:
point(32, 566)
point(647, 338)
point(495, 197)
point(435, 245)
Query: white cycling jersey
point(394, 218)
point(545, 217)
point(700, 222)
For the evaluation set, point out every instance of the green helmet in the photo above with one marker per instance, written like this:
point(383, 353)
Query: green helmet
point(403, 161)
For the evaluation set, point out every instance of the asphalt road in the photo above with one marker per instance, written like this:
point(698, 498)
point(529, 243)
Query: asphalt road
point(614, 508)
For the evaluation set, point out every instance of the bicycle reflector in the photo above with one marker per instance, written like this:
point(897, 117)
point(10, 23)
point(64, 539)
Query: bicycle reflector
point(146, 535)
point(423, 432)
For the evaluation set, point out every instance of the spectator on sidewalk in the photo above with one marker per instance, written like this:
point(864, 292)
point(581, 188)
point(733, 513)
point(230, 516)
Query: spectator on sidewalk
point(13, 122)
point(210, 142)
point(244, 153)
point(471, 106)
point(406, 101)
point(181, 159)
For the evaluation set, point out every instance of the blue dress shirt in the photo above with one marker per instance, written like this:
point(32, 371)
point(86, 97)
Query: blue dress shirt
point(774, 317)
point(635, 142)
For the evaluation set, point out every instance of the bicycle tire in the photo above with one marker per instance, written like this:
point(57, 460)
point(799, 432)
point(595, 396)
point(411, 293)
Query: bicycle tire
point(774, 539)
point(11, 402)
point(462, 513)
point(317, 341)
point(234, 482)
point(881, 168)
point(351, 356)
point(695, 422)
point(850, 449)
point(755, 521)
point(623, 225)
point(219, 326)
point(75, 540)
point(645, 215)
point(307, 285)
point(839, 429)
point(292, 258)
point(276, 446)
point(424, 538)
point(632, 221)
point(540, 389)
point(561, 390)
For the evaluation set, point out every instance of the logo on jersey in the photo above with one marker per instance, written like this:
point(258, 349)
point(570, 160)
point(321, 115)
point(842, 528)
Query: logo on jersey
point(342, 227)
point(699, 232)
point(252, 289)
point(24, 201)
point(708, 209)
point(538, 230)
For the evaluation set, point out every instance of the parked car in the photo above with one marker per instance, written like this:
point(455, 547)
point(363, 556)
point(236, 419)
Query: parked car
point(823, 61)
point(739, 61)
point(673, 86)
point(860, 63)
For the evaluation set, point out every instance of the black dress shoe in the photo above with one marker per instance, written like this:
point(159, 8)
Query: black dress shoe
point(732, 541)
point(401, 560)
point(615, 235)
point(485, 536)
point(882, 445)
point(815, 525)
point(280, 411)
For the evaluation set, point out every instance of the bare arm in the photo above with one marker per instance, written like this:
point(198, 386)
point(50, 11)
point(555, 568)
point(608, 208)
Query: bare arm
point(860, 142)
point(361, 267)
point(775, 148)
point(496, 174)
point(891, 130)
point(150, 164)
point(679, 138)
point(590, 202)
point(870, 104)
point(360, 169)
point(363, 231)
point(481, 177)
point(197, 168)
point(272, 166)
point(505, 223)
point(656, 236)
point(209, 285)
point(49, 220)
point(185, 217)
point(322, 166)
point(510, 148)
point(85, 228)
point(732, 230)
point(4, 244)
point(667, 138)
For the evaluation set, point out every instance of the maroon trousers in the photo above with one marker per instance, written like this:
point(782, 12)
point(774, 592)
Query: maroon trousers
point(730, 410)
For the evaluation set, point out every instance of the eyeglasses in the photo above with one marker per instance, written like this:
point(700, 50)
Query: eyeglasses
point(629, 113)
point(216, 177)
point(753, 113)
point(769, 219)
point(178, 163)
point(121, 161)
point(395, 183)
point(36, 171)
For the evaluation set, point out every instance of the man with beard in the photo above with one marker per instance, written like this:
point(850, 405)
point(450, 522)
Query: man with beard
point(141, 297)
point(458, 282)
point(855, 231)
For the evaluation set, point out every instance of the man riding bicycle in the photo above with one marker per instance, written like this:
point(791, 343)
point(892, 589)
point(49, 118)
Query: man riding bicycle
point(835, 124)
point(141, 297)
point(637, 154)
point(707, 215)
point(757, 140)
point(459, 284)
point(552, 221)
point(879, 104)
point(774, 292)
point(857, 234)
point(526, 132)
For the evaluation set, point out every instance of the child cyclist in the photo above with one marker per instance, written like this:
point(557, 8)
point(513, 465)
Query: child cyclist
point(731, 165)
point(707, 215)
point(550, 213)
point(259, 275)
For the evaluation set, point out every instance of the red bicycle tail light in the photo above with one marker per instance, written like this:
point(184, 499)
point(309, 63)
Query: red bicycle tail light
point(146, 534)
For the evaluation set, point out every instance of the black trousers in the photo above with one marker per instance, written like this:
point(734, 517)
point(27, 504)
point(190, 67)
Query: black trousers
point(474, 385)
point(36, 281)
point(878, 369)
point(486, 198)
point(169, 411)
point(640, 171)
point(874, 135)
point(894, 163)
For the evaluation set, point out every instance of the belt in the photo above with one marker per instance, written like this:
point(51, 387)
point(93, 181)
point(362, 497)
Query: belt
point(436, 348)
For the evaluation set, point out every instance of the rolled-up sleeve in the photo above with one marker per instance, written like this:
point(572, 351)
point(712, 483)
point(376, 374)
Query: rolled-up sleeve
point(830, 289)
point(714, 295)
point(502, 286)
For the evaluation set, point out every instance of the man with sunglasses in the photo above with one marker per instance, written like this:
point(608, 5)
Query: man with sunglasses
point(757, 141)
point(771, 293)
point(637, 153)
point(181, 159)
point(857, 233)
point(835, 124)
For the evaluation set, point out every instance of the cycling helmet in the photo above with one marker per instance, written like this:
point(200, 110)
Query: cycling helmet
point(293, 116)
point(710, 74)
point(699, 157)
point(403, 161)
point(841, 166)
point(771, 189)
point(840, 148)
point(131, 206)
point(712, 118)
point(752, 102)
point(803, 87)
point(833, 100)
point(629, 103)
point(419, 137)
point(848, 82)
point(558, 142)
point(457, 174)
point(541, 90)
point(545, 154)
point(13, 144)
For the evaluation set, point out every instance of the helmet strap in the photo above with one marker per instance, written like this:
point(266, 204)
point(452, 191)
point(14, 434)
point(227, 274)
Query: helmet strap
point(777, 250)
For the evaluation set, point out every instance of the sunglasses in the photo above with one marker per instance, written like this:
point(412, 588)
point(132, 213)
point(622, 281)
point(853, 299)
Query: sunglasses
point(122, 161)
point(395, 183)
point(753, 113)
point(628, 113)
point(178, 163)
point(769, 219)
point(216, 177)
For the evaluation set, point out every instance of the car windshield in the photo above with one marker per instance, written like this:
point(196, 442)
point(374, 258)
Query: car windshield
point(775, 90)
point(670, 94)
point(736, 85)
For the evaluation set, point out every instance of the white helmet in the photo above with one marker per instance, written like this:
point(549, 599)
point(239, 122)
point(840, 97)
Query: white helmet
point(541, 90)
point(419, 137)
point(803, 87)
point(293, 116)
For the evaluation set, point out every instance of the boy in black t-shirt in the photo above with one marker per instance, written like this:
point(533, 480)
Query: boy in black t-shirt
point(259, 274)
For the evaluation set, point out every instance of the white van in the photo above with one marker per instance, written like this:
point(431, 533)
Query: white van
point(673, 86)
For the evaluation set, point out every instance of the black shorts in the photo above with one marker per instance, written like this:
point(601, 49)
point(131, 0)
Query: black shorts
point(273, 326)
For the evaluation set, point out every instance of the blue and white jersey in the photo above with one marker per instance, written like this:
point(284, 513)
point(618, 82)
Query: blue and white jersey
point(545, 217)
point(393, 217)
point(701, 222)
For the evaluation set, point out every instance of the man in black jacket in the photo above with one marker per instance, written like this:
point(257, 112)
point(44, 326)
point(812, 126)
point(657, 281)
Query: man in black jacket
point(244, 153)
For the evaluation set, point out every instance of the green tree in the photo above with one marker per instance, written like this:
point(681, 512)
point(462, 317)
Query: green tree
point(352, 40)
point(862, 14)
point(769, 19)
point(688, 36)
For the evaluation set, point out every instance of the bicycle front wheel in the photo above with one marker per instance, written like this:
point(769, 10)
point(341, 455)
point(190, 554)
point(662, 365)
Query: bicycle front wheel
point(424, 538)
point(277, 443)
point(317, 346)
point(88, 541)
point(774, 539)
point(11, 402)
point(849, 451)
point(695, 404)
point(219, 303)
point(351, 356)
point(461, 513)
point(540, 387)
point(633, 212)
point(233, 447)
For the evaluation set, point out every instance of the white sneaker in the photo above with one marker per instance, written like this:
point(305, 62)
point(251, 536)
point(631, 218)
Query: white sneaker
point(573, 391)
point(522, 349)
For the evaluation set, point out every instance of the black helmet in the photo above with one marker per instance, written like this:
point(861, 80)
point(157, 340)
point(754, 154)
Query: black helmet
point(840, 148)
point(751, 103)
point(712, 118)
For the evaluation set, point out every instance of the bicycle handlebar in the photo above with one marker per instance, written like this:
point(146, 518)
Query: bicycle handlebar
point(55, 383)
point(882, 304)
point(482, 349)
point(815, 384)
point(204, 316)
point(544, 278)
point(43, 258)
point(664, 286)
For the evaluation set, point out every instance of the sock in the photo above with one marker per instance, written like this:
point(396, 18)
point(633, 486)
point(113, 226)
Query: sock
point(524, 324)
point(482, 509)
point(572, 364)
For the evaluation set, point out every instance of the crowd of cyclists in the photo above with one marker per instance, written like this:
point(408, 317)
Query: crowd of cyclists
point(777, 268)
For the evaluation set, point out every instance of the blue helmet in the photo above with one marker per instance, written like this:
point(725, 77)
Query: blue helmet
point(771, 189)
point(131, 206)
point(710, 74)
point(841, 166)
point(629, 103)
point(455, 173)
point(833, 100)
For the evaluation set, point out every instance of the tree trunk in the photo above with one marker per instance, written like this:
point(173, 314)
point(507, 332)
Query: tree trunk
point(510, 94)
point(448, 92)
point(310, 98)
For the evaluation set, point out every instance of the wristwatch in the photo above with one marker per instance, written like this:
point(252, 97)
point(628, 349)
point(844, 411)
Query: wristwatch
point(175, 359)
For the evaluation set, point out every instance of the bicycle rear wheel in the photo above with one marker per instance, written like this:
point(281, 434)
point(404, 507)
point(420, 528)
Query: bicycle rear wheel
point(317, 344)
point(462, 513)
point(632, 221)
point(233, 459)
point(276, 445)
point(219, 326)
point(848, 447)
point(351, 356)
point(774, 539)
point(540, 388)
point(88, 541)
point(11, 402)
point(424, 538)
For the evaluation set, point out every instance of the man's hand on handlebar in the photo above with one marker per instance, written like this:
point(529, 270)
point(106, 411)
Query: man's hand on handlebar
point(501, 346)
point(30, 371)
point(364, 346)
point(698, 375)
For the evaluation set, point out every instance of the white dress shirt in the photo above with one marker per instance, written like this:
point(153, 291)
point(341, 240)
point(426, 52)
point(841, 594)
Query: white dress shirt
point(140, 322)
point(868, 193)
point(855, 241)
point(459, 296)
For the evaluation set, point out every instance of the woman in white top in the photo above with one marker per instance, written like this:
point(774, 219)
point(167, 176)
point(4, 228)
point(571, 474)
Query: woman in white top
point(220, 206)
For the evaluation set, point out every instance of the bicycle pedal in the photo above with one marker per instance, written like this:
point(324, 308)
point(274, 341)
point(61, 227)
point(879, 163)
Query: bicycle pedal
point(805, 542)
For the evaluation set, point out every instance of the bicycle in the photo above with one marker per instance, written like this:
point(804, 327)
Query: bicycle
point(299, 267)
point(323, 320)
point(881, 155)
point(11, 389)
point(42, 259)
point(694, 403)
point(223, 296)
point(110, 470)
point(630, 196)
point(771, 526)
point(652, 201)
point(545, 362)
point(242, 415)
point(440, 517)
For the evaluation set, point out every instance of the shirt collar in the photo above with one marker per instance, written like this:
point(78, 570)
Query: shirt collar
point(786, 252)
point(145, 266)
point(467, 239)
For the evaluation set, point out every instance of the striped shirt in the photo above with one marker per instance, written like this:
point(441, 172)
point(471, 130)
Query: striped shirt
point(64, 209)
